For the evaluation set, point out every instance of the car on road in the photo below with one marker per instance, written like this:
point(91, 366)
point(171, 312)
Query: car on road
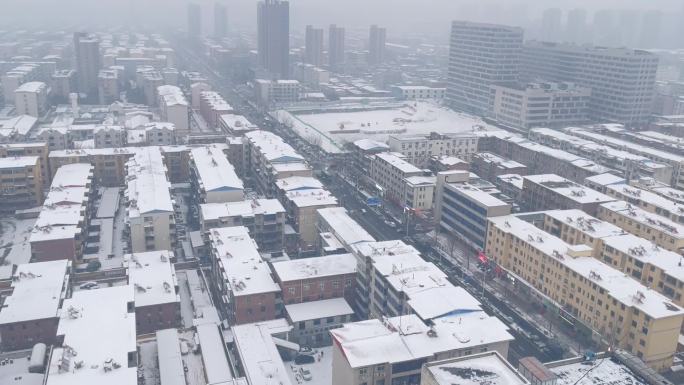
point(306, 374)
point(89, 285)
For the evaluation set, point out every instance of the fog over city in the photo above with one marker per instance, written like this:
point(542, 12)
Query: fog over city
point(341, 192)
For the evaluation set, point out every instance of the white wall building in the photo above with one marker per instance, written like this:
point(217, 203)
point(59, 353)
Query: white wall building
point(31, 99)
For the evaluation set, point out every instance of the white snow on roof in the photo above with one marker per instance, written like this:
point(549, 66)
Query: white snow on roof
point(398, 162)
point(38, 289)
point(237, 123)
point(419, 180)
point(480, 369)
point(311, 198)
point(214, 172)
point(99, 332)
point(634, 193)
point(31, 87)
point(246, 208)
point(153, 276)
point(19, 125)
point(62, 208)
point(645, 218)
point(170, 361)
point(298, 183)
point(515, 180)
point(406, 337)
point(585, 223)
point(370, 144)
point(214, 357)
point(18, 162)
point(482, 197)
point(306, 311)
point(315, 267)
point(148, 187)
point(647, 252)
point(272, 147)
point(351, 122)
point(290, 167)
point(502, 162)
point(244, 271)
point(603, 372)
point(618, 285)
point(347, 230)
point(171, 95)
point(258, 353)
point(605, 179)
point(576, 192)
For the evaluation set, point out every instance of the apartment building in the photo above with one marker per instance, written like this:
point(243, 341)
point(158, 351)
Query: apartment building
point(657, 155)
point(149, 211)
point(629, 165)
point(313, 321)
point(247, 290)
point(109, 164)
point(109, 136)
point(63, 83)
point(301, 207)
point(419, 193)
point(269, 158)
point(538, 158)
point(393, 350)
point(389, 171)
point(174, 107)
point(647, 201)
point(418, 92)
point(604, 299)
point(17, 128)
point(657, 229)
point(264, 218)
point(212, 177)
point(622, 80)
point(526, 105)
point(236, 125)
point(108, 86)
point(275, 92)
point(510, 185)
point(39, 149)
point(30, 313)
point(479, 56)
point(212, 106)
point(601, 181)
point(316, 278)
point(62, 225)
point(21, 183)
point(449, 371)
point(31, 99)
point(157, 299)
point(336, 222)
point(576, 227)
point(419, 149)
point(464, 210)
point(489, 166)
point(550, 191)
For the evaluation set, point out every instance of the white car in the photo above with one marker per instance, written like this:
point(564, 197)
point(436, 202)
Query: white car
point(306, 374)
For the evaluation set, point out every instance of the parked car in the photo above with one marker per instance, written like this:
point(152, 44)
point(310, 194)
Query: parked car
point(305, 350)
point(306, 374)
point(304, 359)
point(89, 285)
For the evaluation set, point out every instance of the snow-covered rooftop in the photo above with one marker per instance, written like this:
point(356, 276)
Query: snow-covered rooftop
point(346, 229)
point(484, 198)
point(311, 198)
point(246, 208)
point(31, 87)
point(153, 276)
point(333, 127)
point(258, 353)
point(370, 144)
point(515, 180)
point(398, 162)
point(585, 223)
point(171, 95)
point(603, 372)
point(17, 125)
point(646, 218)
point(216, 366)
point(149, 190)
point(245, 272)
point(237, 123)
point(214, 172)
point(648, 253)
point(295, 183)
point(169, 356)
point(406, 337)
point(38, 289)
point(500, 161)
point(605, 179)
point(18, 162)
point(272, 147)
point(315, 267)
point(99, 333)
point(61, 212)
point(616, 283)
point(576, 192)
point(312, 310)
point(634, 193)
point(479, 369)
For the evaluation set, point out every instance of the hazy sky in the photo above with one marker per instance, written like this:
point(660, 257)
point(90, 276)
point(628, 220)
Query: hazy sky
point(397, 15)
